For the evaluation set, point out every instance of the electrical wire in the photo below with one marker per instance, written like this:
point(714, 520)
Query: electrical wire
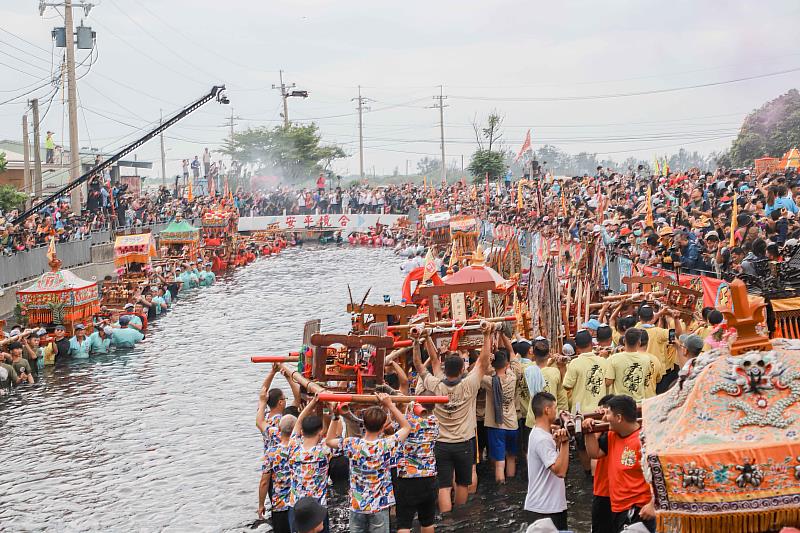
point(625, 95)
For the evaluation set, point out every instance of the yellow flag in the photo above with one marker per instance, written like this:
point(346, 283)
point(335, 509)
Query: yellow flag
point(656, 167)
point(564, 203)
point(430, 266)
point(190, 194)
point(734, 214)
point(424, 182)
point(648, 220)
point(520, 202)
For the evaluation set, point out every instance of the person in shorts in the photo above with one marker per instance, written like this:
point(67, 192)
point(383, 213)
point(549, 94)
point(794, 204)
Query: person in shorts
point(501, 416)
point(415, 487)
point(455, 448)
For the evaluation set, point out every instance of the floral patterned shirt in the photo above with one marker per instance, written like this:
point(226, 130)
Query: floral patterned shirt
point(309, 471)
point(370, 474)
point(276, 461)
point(416, 457)
point(271, 438)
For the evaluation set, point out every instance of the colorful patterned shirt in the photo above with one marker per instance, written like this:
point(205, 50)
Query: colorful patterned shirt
point(309, 471)
point(271, 438)
point(276, 461)
point(370, 474)
point(415, 456)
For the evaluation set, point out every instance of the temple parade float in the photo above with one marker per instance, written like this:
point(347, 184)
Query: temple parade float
point(721, 448)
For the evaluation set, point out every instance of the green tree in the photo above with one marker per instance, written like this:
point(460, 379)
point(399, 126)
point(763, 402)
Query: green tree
point(770, 130)
point(487, 159)
point(295, 152)
point(3, 161)
point(485, 162)
point(10, 198)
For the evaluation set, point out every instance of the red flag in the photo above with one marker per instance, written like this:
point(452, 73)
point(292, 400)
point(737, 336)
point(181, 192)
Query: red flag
point(487, 188)
point(525, 146)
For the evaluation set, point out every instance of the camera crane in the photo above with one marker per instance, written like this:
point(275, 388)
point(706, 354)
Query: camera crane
point(217, 92)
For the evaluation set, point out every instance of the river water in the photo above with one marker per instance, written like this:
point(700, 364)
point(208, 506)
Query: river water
point(163, 438)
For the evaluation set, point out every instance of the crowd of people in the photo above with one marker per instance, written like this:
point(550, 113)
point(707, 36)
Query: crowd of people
point(24, 352)
point(505, 406)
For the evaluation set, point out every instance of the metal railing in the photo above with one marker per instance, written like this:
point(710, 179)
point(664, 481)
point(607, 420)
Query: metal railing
point(30, 264)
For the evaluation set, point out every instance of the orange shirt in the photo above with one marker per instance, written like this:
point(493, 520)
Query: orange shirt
point(627, 486)
point(600, 487)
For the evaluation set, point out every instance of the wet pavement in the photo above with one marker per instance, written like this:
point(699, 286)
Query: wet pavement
point(163, 437)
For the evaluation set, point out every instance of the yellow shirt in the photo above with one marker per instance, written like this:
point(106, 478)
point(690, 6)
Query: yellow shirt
point(658, 344)
point(630, 372)
point(586, 378)
point(552, 384)
point(656, 373)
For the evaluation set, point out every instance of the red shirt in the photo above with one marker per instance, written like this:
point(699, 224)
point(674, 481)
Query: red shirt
point(600, 487)
point(627, 486)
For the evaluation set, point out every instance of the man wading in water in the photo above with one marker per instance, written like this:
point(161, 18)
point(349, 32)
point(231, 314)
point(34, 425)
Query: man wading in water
point(455, 449)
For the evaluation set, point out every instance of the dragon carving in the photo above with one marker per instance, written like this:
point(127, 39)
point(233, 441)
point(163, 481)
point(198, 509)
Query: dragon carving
point(755, 373)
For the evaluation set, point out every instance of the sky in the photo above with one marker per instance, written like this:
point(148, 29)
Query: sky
point(573, 72)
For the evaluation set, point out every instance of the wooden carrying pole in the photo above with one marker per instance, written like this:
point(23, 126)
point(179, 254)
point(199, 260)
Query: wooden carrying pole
point(371, 398)
point(446, 323)
point(274, 359)
point(325, 396)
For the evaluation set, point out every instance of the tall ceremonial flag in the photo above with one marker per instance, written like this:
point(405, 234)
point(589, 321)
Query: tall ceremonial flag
point(520, 201)
point(488, 193)
point(430, 266)
point(563, 202)
point(665, 167)
point(734, 214)
point(525, 146)
point(212, 186)
point(190, 194)
point(648, 220)
point(656, 167)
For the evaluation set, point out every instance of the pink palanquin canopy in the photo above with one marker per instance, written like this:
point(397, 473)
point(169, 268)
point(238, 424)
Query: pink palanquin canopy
point(61, 286)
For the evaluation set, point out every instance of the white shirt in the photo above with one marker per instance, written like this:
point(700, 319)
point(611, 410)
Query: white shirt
point(546, 491)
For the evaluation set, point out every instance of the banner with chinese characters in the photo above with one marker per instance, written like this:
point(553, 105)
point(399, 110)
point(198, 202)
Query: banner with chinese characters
point(336, 222)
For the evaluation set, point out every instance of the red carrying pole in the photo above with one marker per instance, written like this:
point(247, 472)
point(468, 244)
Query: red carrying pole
point(291, 358)
point(369, 398)
point(402, 343)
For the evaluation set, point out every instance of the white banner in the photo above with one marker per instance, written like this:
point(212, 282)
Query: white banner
point(347, 223)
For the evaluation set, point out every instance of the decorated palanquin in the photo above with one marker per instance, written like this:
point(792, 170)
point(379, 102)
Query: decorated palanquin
point(464, 233)
point(133, 254)
point(220, 236)
point(437, 228)
point(59, 297)
point(723, 446)
point(180, 240)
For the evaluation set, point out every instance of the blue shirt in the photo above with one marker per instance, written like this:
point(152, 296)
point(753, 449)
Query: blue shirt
point(784, 202)
point(160, 304)
point(98, 345)
point(79, 349)
point(126, 337)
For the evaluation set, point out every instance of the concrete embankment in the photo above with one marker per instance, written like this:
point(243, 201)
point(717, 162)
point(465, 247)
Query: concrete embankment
point(101, 265)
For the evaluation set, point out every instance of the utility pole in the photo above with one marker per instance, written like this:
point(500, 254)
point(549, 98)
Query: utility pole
point(72, 102)
point(26, 154)
point(37, 150)
point(441, 98)
point(163, 156)
point(285, 94)
point(65, 37)
point(361, 101)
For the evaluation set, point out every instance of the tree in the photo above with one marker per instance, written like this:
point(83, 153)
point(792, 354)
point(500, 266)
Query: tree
point(487, 162)
point(3, 162)
point(293, 151)
point(770, 130)
point(428, 166)
point(10, 198)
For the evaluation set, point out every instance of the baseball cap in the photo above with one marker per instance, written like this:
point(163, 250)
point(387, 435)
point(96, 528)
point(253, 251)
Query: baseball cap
point(129, 306)
point(693, 343)
point(80, 326)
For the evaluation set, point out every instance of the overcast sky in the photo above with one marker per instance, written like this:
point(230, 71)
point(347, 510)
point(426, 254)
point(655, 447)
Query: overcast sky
point(523, 59)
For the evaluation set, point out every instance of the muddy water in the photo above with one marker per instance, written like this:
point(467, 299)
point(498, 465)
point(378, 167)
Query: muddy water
point(162, 438)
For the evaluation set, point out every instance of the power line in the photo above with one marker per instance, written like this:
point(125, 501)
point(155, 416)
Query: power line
point(625, 95)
